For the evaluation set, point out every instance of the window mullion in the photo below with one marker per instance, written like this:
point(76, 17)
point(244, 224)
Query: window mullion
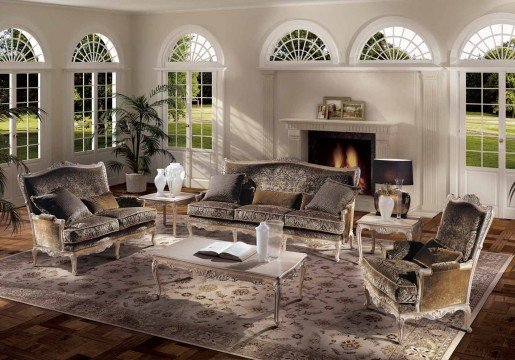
point(12, 120)
point(94, 109)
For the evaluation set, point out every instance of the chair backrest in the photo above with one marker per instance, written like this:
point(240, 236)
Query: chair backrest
point(81, 180)
point(464, 225)
point(291, 175)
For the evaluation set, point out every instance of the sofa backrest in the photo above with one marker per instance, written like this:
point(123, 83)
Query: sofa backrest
point(81, 180)
point(291, 175)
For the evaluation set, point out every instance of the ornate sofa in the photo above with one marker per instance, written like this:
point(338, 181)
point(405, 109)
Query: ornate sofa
point(291, 176)
point(415, 280)
point(92, 234)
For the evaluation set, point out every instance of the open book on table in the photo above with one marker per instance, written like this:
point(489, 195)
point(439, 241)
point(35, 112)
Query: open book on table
point(238, 251)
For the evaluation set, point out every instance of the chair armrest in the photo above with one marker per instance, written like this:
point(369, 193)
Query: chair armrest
point(444, 284)
point(125, 201)
point(47, 231)
point(200, 196)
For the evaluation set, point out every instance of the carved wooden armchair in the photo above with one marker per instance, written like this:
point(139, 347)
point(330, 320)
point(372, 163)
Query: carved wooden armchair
point(415, 280)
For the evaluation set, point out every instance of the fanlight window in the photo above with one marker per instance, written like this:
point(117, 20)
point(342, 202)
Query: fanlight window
point(19, 46)
point(95, 48)
point(494, 42)
point(192, 48)
point(396, 43)
point(300, 45)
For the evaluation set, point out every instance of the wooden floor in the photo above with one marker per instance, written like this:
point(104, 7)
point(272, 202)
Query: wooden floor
point(28, 332)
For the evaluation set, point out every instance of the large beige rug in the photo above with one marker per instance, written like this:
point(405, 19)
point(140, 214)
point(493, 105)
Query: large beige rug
point(236, 317)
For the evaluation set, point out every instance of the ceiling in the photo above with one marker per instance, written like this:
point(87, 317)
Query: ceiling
point(184, 5)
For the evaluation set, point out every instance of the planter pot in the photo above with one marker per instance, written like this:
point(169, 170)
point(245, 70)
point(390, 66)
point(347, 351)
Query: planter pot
point(136, 183)
point(386, 204)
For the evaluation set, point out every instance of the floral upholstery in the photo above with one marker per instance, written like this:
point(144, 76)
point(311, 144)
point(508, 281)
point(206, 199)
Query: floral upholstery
point(89, 228)
point(404, 250)
point(259, 213)
point(315, 220)
point(130, 216)
point(395, 278)
point(459, 227)
point(212, 209)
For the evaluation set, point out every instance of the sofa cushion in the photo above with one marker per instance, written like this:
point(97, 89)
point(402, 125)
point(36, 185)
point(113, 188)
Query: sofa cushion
point(277, 198)
point(259, 213)
point(89, 228)
point(395, 278)
point(62, 204)
point(98, 203)
point(333, 197)
point(225, 188)
point(432, 253)
point(314, 220)
point(130, 216)
point(460, 226)
point(212, 209)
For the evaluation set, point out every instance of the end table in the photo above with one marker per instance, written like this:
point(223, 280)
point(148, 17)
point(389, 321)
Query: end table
point(181, 198)
point(409, 227)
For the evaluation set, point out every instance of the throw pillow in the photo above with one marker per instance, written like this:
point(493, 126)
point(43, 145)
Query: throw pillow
point(306, 199)
point(277, 198)
point(332, 197)
point(98, 203)
point(225, 188)
point(61, 203)
point(432, 253)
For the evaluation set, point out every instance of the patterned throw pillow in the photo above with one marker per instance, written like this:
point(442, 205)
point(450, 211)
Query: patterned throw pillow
point(432, 253)
point(98, 203)
point(225, 188)
point(62, 204)
point(277, 198)
point(333, 197)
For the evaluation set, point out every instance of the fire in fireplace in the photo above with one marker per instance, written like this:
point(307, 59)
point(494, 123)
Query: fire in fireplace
point(341, 149)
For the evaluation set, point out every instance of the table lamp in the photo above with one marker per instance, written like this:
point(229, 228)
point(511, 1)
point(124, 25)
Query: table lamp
point(396, 172)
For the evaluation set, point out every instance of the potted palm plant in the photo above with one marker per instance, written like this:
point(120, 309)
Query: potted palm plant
point(9, 215)
point(138, 135)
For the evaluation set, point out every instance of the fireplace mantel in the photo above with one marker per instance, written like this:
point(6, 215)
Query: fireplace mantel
point(298, 130)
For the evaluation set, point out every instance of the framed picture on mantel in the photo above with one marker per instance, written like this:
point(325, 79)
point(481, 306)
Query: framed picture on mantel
point(334, 106)
point(353, 110)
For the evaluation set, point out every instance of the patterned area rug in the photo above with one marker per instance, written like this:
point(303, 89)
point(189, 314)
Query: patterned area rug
point(237, 317)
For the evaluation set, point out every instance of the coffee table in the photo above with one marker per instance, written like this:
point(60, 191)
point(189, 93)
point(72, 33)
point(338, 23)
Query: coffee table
point(181, 198)
point(183, 255)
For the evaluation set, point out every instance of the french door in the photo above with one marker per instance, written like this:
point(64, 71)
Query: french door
point(192, 123)
point(488, 147)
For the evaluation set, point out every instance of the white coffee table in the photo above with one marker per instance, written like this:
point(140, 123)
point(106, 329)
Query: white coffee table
point(409, 227)
point(181, 198)
point(183, 255)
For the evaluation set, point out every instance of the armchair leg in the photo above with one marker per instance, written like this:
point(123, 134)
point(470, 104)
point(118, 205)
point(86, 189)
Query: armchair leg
point(367, 299)
point(351, 240)
point(117, 250)
point(466, 319)
point(190, 229)
point(73, 259)
point(400, 324)
point(235, 235)
point(34, 256)
point(337, 253)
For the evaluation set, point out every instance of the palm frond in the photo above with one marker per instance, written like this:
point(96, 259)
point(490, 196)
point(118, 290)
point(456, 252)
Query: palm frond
point(158, 89)
point(9, 216)
point(115, 166)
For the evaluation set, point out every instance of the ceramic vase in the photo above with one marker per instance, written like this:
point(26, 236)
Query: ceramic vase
point(386, 204)
point(275, 238)
point(175, 175)
point(262, 232)
point(160, 182)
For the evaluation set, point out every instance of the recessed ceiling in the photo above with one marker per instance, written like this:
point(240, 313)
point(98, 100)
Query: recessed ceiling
point(186, 5)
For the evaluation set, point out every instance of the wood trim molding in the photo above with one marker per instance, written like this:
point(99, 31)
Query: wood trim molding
point(268, 114)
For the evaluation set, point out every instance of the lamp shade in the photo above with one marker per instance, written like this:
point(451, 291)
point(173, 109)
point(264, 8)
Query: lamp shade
point(385, 171)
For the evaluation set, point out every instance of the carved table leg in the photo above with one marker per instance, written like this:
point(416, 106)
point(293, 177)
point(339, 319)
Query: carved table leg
point(360, 245)
point(373, 241)
point(235, 235)
point(152, 238)
point(164, 214)
point(351, 239)
point(155, 266)
point(337, 253)
point(117, 250)
point(400, 324)
point(34, 256)
point(73, 259)
point(277, 290)
point(174, 211)
point(302, 275)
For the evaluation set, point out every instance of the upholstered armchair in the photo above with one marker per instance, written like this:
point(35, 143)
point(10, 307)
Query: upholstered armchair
point(415, 280)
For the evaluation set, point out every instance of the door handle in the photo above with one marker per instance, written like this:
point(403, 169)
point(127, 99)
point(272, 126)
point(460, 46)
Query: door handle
point(501, 140)
point(187, 125)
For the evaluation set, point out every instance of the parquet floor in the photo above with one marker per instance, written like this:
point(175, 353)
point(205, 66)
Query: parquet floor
point(28, 332)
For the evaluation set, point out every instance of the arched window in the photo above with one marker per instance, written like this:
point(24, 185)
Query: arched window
point(493, 42)
point(95, 48)
point(20, 138)
point(300, 45)
point(192, 48)
point(93, 93)
point(396, 43)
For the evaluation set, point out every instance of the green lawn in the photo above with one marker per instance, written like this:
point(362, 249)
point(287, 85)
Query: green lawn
point(201, 131)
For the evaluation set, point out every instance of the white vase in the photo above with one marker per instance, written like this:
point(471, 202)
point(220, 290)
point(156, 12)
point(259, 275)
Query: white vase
point(262, 242)
point(160, 182)
point(175, 175)
point(275, 238)
point(386, 204)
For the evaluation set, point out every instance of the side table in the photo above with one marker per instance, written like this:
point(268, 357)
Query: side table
point(181, 198)
point(410, 227)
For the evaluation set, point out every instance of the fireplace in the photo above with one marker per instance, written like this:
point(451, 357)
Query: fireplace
point(344, 149)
